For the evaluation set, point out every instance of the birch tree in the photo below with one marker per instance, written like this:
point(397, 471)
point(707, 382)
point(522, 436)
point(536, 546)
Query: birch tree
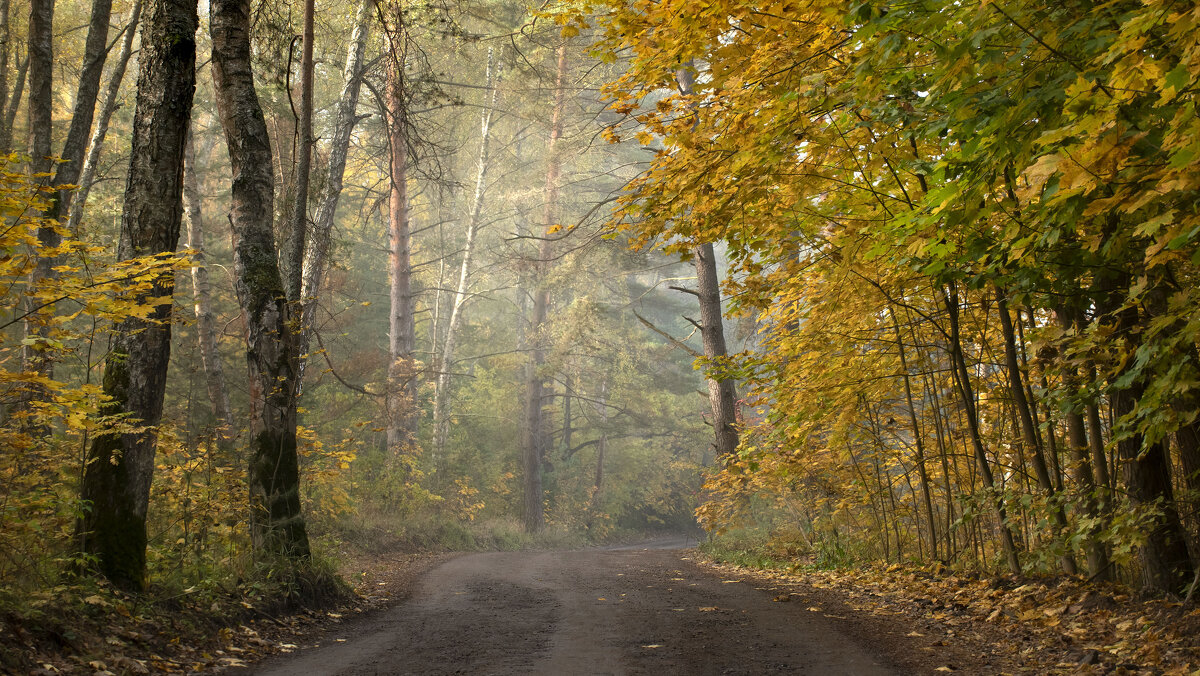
point(277, 525)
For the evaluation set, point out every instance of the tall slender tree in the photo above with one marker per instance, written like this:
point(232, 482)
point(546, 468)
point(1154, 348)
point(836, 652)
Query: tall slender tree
point(108, 106)
point(459, 299)
point(321, 233)
point(401, 378)
point(533, 432)
point(206, 324)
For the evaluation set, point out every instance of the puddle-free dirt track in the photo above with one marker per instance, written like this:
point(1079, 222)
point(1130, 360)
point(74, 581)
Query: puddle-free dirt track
point(642, 609)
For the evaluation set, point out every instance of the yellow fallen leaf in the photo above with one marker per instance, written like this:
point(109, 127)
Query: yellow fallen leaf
point(707, 609)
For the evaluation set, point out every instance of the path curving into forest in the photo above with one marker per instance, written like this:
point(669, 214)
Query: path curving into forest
point(625, 610)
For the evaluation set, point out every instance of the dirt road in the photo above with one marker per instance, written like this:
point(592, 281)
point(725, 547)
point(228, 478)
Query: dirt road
point(628, 610)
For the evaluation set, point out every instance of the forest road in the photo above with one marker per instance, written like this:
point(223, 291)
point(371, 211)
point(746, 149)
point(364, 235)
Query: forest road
point(624, 610)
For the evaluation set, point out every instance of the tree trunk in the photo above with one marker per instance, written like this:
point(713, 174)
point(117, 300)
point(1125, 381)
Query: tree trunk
point(402, 382)
point(117, 478)
point(601, 450)
point(442, 391)
point(14, 104)
point(722, 395)
point(41, 104)
point(95, 53)
point(277, 525)
point(299, 217)
point(967, 395)
point(206, 325)
point(320, 234)
point(108, 105)
point(533, 436)
point(1081, 466)
point(41, 84)
point(918, 439)
point(5, 45)
point(1029, 436)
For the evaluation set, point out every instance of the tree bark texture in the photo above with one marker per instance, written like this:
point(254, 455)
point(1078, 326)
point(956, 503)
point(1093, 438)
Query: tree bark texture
point(14, 104)
point(108, 105)
point(402, 382)
point(277, 525)
point(441, 395)
point(1146, 471)
point(5, 49)
point(206, 323)
point(533, 434)
point(117, 478)
point(84, 111)
point(722, 395)
point(299, 225)
point(41, 83)
point(41, 104)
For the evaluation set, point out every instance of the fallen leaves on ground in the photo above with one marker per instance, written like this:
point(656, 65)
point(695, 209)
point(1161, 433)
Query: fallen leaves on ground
point(1044, 626)
point(115, 633)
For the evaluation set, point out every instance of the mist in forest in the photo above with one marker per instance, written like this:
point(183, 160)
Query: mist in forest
point(388, 309)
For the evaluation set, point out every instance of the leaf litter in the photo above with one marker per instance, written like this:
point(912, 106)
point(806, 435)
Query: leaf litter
point(1056, 625)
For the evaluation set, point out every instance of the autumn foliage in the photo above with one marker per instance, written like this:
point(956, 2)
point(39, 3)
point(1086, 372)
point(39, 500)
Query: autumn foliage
point(968, 235)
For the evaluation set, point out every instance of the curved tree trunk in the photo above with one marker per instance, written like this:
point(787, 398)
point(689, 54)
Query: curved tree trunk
point(722, 392)
point(722, 395)
point(320, 235)
point(117, 479)
point(277, 525)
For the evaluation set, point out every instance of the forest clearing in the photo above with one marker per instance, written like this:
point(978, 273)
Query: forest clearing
point(896, 302)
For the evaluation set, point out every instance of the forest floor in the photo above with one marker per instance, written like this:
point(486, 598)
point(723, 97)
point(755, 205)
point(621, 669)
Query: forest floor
point(107, 632)
point(634, 609)
point(979, 624)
